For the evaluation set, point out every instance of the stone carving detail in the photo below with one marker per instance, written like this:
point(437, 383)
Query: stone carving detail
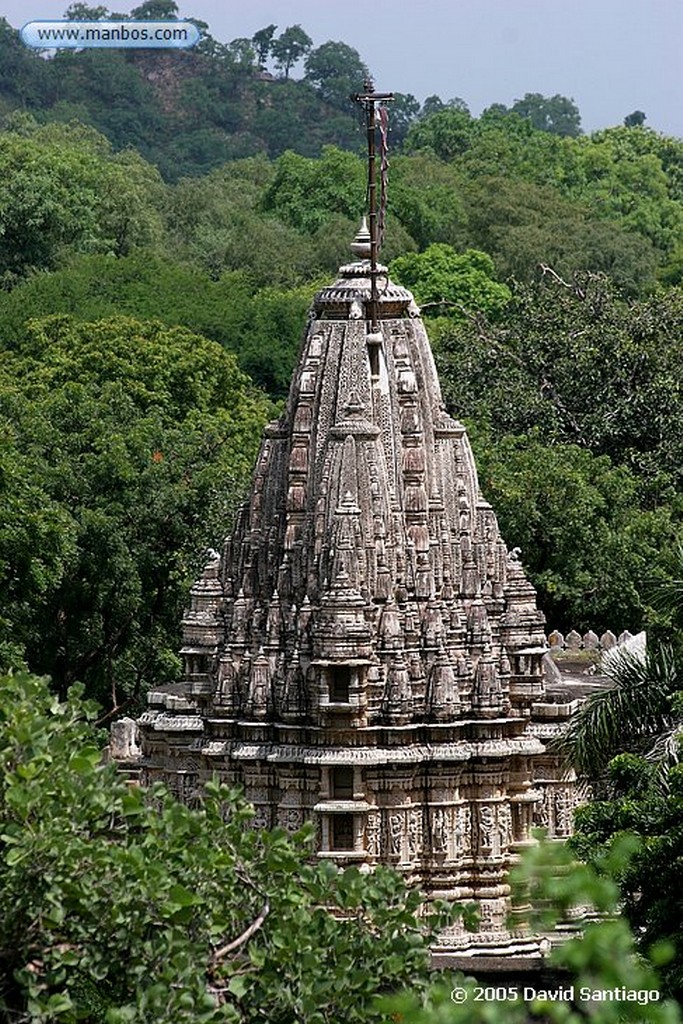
point(563, 812)
point(262, 817)
point(291, 818)
point(489, 832)
point(555, 811)
point(462, 832)
point(542, 810)
point(504, 824)
point(439, 831)
point(414, 833)
point(396, 832)
point(373, 834)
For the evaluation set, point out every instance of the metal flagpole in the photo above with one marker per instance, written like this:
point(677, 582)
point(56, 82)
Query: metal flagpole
point(369, 99)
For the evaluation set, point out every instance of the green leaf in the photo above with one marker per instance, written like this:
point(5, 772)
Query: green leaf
point(85, 760)
point(15, 855)
point(59, 1003)
point(181, 897)
point(132, 803)
point(238, 986)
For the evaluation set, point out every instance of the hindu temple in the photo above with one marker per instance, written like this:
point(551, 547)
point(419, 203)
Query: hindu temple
point(365, 653)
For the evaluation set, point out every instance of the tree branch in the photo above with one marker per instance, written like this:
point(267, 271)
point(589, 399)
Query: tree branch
point(245, 936)
point(545, 269)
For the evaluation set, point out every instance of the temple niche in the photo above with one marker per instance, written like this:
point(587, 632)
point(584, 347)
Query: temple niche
point(365, 652)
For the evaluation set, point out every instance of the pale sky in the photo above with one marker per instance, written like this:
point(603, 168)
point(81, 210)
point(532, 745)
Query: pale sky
point(610, 56)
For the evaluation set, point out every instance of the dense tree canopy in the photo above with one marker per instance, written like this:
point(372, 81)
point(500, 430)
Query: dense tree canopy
point(610, 201)
point(555, 114)
point(587, 536)
point(427, 197)
point(628, 178)
point(305, 192)
point(118, 902)
point(446, 132)
point(85, 12)
point(581, 365)
point(444, 281)
point(523, 225)
point(128, 444)
point(149, 287)
point(23, 75)
point(63, 190)
point(337, 72)
point(290, 47)
point(574, 411)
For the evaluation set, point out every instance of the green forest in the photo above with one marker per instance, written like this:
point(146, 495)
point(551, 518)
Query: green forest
point(165, 219)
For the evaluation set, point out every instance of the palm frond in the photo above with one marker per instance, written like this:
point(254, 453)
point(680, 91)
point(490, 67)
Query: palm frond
point(664, 753)
point(628, 715)
point(667, 595)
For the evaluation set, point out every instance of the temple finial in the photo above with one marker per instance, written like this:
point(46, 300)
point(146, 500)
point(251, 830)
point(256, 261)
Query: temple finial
point(360, 246)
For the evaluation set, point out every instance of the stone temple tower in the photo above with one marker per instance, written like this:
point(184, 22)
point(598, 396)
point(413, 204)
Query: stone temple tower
point(365, 653)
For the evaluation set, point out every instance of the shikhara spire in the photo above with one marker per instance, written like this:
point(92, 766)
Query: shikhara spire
point(365, 652)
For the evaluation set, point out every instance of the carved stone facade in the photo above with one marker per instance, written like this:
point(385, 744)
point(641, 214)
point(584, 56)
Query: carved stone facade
point(365, 652)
